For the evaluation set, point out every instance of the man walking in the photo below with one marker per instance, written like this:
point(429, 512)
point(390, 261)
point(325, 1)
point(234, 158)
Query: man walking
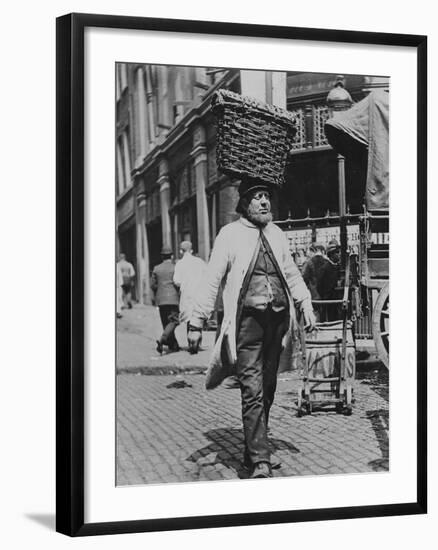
point(166, 298)
point(128, 274)
point(261, 288)
point(187, 277)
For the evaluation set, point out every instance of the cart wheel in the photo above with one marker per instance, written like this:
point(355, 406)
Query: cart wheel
point(381, 325)
point(348, 410)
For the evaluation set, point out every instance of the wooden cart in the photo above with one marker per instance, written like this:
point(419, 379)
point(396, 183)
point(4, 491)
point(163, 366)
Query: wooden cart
point(361, 133)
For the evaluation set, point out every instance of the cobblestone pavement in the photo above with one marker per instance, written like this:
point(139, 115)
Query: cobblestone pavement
point(137, 333)
point(188, 434)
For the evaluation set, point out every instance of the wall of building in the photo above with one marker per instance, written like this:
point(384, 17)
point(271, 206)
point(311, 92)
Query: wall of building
point(165, 137)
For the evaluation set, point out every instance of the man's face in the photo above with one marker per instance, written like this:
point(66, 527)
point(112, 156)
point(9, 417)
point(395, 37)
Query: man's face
point(335, 256)
point(259, 208)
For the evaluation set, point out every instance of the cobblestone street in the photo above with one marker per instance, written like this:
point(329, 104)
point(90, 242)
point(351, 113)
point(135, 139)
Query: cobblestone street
point(176, 434)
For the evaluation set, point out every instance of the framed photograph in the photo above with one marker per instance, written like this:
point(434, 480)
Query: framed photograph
point(235, 206)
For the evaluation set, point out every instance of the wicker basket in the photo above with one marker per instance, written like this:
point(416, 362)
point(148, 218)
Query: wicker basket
point(253, 138)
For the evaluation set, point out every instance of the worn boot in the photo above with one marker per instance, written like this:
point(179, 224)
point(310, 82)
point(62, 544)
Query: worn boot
point(261, 470)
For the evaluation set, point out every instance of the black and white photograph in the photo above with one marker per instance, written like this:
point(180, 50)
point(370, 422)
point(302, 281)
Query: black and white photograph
point(206, 208)
point(252, 290)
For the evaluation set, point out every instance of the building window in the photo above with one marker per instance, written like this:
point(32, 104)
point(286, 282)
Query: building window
point(127, 159)
point(163, 104)
point(118, 93)
point(320, 115)
point(178, 108)
point(310, 127)
point(142, 117)
point(123, 162)
point(300, 137)
point(123, 77)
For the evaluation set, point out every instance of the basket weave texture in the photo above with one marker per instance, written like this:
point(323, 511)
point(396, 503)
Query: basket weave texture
point(253, 138)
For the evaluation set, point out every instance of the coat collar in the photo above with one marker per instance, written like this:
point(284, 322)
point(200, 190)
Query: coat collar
point(247, 223)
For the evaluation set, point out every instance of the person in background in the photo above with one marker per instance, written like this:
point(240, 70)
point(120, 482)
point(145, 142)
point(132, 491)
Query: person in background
point(314, 272)
point(128, 274)
point(187, 278)
point(300, 258)
point(310, 252)
point(331, 279)
point(166, 297)
point(263, 286)
point(119, 291)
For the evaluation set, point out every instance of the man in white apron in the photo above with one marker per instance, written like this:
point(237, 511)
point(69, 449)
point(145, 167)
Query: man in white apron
point(262, 286)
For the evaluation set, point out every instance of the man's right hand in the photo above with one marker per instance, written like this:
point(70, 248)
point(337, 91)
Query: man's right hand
point(194, 339)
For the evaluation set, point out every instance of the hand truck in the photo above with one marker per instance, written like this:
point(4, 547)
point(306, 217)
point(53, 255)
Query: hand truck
point(328, 362)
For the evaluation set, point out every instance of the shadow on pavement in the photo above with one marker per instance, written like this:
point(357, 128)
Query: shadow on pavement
point(228, 445)
point(380, 423)
point(377, 379)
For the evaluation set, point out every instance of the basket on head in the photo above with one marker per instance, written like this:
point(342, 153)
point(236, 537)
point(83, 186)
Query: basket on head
point(253, 138)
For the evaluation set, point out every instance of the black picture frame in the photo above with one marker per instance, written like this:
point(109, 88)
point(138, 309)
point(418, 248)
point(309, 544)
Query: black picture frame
point(70, 273)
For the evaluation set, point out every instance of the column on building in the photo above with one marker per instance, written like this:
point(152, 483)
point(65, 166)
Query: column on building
point(142, 116)
point(278, 89)
point(199, 155)
point(120, 173)
point(175, 229)
point(266, 86)
point(150, 105)
point(164, 183)
point(143, 284)
point(127, 156)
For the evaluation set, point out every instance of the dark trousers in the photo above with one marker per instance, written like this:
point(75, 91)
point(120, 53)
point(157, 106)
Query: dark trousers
point(258, 354)
point(127, 294)
point(169, 315)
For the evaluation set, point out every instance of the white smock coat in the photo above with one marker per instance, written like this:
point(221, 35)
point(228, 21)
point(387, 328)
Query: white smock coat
point(230, 259)
point(189, 272)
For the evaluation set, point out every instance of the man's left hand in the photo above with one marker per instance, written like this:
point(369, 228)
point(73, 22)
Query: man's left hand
point(309, 320)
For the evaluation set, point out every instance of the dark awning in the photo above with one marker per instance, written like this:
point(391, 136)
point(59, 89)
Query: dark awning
point(366, 126)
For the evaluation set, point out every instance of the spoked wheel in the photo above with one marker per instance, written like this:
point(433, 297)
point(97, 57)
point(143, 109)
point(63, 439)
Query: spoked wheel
point(381, 325)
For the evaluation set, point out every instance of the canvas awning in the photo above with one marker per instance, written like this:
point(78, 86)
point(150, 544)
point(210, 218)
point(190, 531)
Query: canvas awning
point(366, 127)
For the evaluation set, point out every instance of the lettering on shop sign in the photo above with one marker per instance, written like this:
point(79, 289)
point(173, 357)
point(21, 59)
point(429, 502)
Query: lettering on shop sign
point(299, 238)
point(325, 234)
point(307, 87)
